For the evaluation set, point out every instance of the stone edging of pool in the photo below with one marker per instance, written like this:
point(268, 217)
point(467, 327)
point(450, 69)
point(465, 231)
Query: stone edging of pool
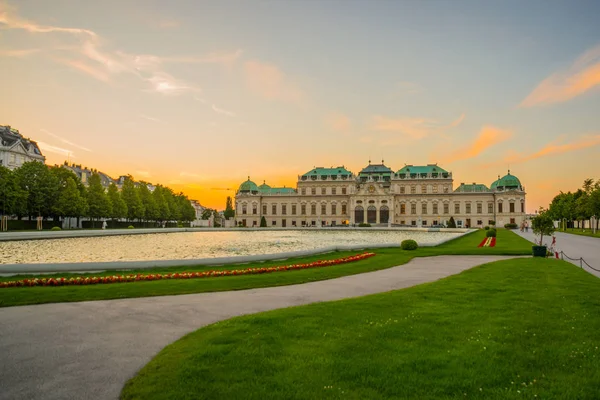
point(10, 269)
point(44, 235)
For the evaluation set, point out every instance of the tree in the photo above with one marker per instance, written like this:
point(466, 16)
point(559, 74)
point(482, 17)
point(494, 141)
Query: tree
point(207, 213)
point(135, 207)
point(543, 224)
point(229, 212)
point(161, 203)
point(188, 213)
point(98, 202)
point(451, 223)
point(70, 202)
point(41, 186)
point(118, 206)
point(13, 199)
point(263, 222)
point(150, 209)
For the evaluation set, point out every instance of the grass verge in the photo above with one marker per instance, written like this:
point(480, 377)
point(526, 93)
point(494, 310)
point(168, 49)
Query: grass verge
point(581, 232)
point(522, 328)
point(507, 243)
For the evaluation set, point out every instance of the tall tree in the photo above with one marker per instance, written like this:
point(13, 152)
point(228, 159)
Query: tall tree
point(161, 203)
point(41, 186)
point(13, 199)
point(135, 207)
point(150, 208)
point(118, 206)
point(98, 202)
point(229, 212)
point(70, 202)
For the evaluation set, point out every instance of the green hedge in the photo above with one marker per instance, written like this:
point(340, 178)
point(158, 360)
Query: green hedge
point(409, 244)
point(363, 225)
point(110, 224)
point(511, 226)
point(25, 225)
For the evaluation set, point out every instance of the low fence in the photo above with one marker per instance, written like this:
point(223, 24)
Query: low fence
point(580, 259)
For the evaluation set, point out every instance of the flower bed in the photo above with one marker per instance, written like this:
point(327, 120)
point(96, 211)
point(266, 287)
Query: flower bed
point(94, 280)
point(488, 242)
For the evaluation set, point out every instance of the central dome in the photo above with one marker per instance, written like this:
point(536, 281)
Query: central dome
point(507, 182)
point(248, 187)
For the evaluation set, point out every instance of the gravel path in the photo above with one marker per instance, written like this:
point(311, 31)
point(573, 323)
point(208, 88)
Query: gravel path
point(88, 350)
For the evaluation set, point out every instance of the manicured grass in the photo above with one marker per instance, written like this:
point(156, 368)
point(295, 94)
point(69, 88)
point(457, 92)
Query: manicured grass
point(508, 243)
point(581, 232)
point(522, 328)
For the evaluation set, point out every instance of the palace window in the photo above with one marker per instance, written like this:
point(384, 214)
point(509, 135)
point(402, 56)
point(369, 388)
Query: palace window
point(512, 207)
point(274, 209)
point(333, 190)
point(313, 190)
point(456, 208)
point(423, 208)
point(468, 208)
point(343, 209)
point(522, 207)
point(313, 209)
point(435, 208)
point(479, 222)
point(303, 191)
point(402, 189)
point(424, 222)
point(284, 209)
point(413, 189)
point(323, 209)
point(500, 207)
point(413, 223)
point(490, 208)
point(303, 209)
point(244, 209)
point(333, 209)
point(254, 209)
point(264, 209)
point(423, 188)
point(413, 208)
point(343, 190)
point(293, 209)
point(274, 223)
point(512, 221)
point(323, 190)
point(293, 223)
point(479, 208)
point(402, 208)
point(446, 208)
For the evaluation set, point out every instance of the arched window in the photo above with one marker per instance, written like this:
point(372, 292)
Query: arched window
point(384, 214)
point(359, 215)
point(372, 215)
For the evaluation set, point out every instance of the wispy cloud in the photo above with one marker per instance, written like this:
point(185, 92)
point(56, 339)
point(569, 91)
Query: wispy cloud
point(45, 147)
point(411, 127)
point(65, 140)
point(458, 121)
point(556, 147)
point(147, 117)
point(270, 82)
point(339, 122)
point(86, 51)
point(19, 53)
point(200, 99)
point(583, 76)
point(222, 111)
point(488, 136)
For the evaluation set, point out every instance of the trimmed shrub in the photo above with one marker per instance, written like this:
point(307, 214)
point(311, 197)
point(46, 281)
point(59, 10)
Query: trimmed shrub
point(56, 228)
point(409, 244)
point(363, 225)
point(511, 226)
point(491, 233)
point(451, 223)
point(263, 222)
point(493, 223)
point(130, 227)
point(486, 228)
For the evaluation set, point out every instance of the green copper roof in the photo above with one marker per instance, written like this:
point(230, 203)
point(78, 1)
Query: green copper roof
point(248, 186)
point(320, 171)
point(422, 169)
point(508, 181)
point(283, 190)
point(472, 188)
point(377, 169)
point(264, 186)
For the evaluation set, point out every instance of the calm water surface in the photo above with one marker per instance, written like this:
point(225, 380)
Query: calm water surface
point(190, 245)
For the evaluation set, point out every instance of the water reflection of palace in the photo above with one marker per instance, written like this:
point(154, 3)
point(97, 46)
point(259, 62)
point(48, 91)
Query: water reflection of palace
point(412, 196)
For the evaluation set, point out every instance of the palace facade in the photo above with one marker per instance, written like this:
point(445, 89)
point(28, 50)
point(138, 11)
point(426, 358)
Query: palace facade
point(418, 196)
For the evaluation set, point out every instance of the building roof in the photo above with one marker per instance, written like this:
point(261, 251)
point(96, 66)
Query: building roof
point(248, 186)
point(422, 169)
point(264, 186)
point(472, 188)
point(320, 171)
point(378, 169)
point(507, 182)
point(10, 136)
point(278, 190)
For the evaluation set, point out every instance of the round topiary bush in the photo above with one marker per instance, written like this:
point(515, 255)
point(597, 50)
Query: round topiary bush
point(490, 233)
point(409, 244)
point(486, 228)
point(56, 228)
point(130, 227)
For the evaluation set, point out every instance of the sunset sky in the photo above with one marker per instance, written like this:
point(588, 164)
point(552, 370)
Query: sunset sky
point(197, 95)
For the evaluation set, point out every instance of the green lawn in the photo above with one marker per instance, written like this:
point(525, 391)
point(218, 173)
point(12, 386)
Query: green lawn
point(507, 243)
point(522, 328)
point(581, 232)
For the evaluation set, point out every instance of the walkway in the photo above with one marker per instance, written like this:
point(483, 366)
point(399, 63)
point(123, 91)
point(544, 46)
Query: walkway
point(88, 350)
point(574, 246)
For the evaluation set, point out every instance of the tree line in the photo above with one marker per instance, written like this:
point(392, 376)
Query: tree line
point(36, 190)
point(579, 206)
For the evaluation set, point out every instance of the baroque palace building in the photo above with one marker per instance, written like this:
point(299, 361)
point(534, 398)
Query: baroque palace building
point(418, 196)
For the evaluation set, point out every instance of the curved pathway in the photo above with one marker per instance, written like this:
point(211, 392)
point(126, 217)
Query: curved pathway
point(88, 350)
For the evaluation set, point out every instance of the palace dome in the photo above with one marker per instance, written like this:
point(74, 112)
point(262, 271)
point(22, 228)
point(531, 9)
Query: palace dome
point(264, 187)
point(248, 187)
point(507, 182)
